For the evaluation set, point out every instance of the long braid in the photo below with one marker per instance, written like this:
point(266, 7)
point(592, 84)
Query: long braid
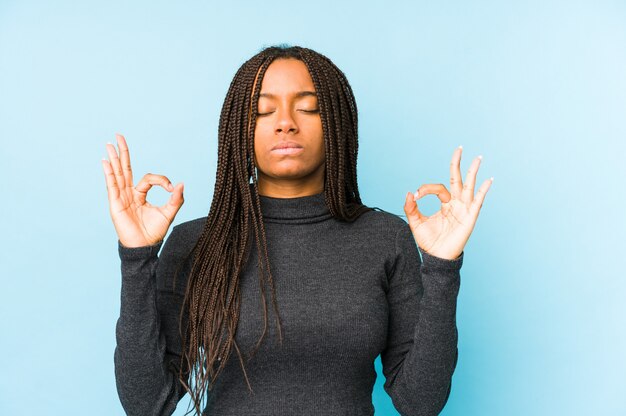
point(258, 215)
point(210, 312)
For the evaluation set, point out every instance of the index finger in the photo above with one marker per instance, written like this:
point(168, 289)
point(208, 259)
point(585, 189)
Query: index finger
point(144, 185)
point(434, 188)
point(125, 160)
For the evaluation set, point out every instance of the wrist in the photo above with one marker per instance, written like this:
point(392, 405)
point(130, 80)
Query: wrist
point(443, 254)
point(432, 261)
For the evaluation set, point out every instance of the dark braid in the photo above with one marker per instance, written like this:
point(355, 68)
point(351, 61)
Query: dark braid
point(210, 312)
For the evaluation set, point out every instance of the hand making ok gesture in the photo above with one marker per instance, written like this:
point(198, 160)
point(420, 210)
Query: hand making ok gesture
point(137, 222)
point(445, 233)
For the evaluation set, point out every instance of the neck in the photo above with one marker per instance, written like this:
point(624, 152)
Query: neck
point(298, 210)
point(281, 188)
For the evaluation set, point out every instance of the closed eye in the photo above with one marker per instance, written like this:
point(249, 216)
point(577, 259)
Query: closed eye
point(315, 111)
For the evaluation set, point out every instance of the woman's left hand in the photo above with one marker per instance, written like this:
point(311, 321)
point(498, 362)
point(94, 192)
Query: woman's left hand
point(445, 233)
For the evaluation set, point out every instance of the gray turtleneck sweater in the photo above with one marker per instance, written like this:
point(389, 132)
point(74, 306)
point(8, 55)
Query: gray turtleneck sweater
point(346, 292)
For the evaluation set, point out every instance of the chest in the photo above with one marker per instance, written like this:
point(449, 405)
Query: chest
point(329, 294)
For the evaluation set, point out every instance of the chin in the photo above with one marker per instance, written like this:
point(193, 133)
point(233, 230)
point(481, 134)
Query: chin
point(290, 174)
point(289, 168)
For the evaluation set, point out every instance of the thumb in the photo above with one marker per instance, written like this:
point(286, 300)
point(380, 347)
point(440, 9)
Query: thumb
point(176, 200)
point(413, 214)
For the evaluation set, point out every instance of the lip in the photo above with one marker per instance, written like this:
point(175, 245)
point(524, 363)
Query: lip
point(287, 145)
point(288, 150)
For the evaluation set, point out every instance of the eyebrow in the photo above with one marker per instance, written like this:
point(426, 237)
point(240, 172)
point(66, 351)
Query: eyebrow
point(299, 94)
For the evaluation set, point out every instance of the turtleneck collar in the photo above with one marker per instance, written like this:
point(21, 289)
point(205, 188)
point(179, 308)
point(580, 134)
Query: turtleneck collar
point(300, 210)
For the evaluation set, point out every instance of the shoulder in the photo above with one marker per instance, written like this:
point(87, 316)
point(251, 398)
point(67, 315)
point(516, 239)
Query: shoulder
point(379, 215)
point(381, 231)
point(189, 231)
point(388, 236)
point(383, 223)
point(175, 257)
point(183, 238)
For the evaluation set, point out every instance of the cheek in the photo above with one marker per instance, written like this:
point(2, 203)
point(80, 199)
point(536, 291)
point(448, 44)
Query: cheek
point(320, 138)
point(261, 141)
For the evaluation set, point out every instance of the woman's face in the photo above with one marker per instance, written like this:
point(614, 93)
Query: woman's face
point(288, 138)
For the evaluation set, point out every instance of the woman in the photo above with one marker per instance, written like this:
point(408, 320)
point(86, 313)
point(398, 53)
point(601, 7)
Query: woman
point(346, 280)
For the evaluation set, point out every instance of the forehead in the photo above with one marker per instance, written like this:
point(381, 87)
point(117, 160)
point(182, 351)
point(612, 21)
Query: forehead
point(286, 76)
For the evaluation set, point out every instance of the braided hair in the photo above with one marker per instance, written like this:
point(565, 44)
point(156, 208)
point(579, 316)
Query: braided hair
point(210, 311)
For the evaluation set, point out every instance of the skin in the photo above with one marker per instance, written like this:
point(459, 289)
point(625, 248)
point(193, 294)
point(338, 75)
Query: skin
point(288, 111)
point(137, 222)
point(286, 114)
point(445, 233)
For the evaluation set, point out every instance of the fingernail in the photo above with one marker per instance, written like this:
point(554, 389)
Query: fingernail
point(480, 157)
point(491, 179)
point(415, 195)
point(460, 146)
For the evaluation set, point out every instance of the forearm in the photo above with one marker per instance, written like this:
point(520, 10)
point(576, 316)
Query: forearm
point(424, 380)
point(145, 385)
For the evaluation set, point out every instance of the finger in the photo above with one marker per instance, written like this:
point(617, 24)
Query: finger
point(112, 190)
point(125, 160)
point(175, 202)
point(413, 214)
point(456, 183)
point(148, 181)
point(117, 168)
point(470, 180)
point(477, 203)
point(434, 188)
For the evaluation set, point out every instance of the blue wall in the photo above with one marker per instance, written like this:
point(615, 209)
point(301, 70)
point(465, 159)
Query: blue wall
point(539, 89)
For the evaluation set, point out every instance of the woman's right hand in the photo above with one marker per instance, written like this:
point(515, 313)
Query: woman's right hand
point(136, 222)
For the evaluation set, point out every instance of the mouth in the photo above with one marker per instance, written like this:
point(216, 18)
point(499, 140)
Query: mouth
point(287, 145)
point(287, 148)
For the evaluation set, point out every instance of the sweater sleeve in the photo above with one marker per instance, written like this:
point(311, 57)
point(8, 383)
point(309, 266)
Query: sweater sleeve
point(421, 351)
point(146, 366)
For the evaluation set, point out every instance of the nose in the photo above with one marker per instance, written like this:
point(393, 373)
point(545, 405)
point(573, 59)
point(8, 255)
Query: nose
point(285, 122)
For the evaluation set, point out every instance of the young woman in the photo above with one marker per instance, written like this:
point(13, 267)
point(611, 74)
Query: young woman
point(346, 280)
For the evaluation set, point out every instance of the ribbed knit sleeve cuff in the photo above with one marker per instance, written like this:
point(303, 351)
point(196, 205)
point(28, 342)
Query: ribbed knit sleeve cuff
point(438, 263)
point(138, 253)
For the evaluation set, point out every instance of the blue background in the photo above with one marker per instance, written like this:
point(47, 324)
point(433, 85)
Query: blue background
point(538, 88)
